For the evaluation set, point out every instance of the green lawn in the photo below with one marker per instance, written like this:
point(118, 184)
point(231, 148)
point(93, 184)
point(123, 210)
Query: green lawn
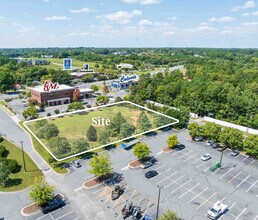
point(74, 126)
point(19, 180)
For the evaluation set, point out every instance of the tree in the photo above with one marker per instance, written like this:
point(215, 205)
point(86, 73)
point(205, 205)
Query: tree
point(160, 120)
point(116, 122)
point(232, 138)
point(30, 112)
point(172, 141)
point(102, 99)
point(144, 122)
point(4, 173)
point(118, 99)
point(95, 88)
point(76, 95)
point(141, 150)
point(251, 145)
point(80, 145)
point(92, 134)
point(195, 130)
point(75, 106)
point(169, 215)
point(104, 137)
point(41, 192)
point(6, 81)
point(40, 123)
point(212, 131)
point(126, 130)
point(100, 165)
point(48, 131)
point(59, 146)
point(105, 89)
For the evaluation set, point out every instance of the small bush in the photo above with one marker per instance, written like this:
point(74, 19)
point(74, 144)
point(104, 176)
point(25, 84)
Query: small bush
point(49, 114)
point(1, 139)
point(57, 111)
point(12, 165)
point(2, 150)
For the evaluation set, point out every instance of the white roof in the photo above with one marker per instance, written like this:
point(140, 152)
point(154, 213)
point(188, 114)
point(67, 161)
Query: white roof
point(61, 87)
point(86, 90)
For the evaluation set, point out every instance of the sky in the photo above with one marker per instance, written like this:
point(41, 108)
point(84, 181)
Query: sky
point(129, 23)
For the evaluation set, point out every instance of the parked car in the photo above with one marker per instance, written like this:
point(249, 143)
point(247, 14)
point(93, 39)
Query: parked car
point(52, 205)
point(88, 157)
point(234, 153)
point(151, 174)
point(76, 163)
point(217, 210)
point(215, 145)
point(66, 165)
point(221, 148)
point(210, 142)
point(146, 165)
point(180, 147)
point(198, 139)
point(206, 157)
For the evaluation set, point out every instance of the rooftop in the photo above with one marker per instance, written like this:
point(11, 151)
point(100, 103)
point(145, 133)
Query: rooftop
point(61, 87)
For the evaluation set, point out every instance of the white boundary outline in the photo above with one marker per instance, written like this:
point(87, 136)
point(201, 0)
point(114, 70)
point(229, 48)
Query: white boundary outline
point(93, 108)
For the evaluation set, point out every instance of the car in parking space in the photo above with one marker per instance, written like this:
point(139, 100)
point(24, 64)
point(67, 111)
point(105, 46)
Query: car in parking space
point(88, 157)
point(198, 139)
point(221, 148)
point(215, 145)
point(180, 147)
point(234, 153)
point(66, 165)
point(76, 163)
point(151, 174)
point(52, 205)
point(146, 165)
point(206, 157)
point(210, 142)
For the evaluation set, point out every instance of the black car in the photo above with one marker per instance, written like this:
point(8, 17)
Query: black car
point(151, 174)
point(52, 205)
point(215, 145)
point(88, 157)
point(180, 147)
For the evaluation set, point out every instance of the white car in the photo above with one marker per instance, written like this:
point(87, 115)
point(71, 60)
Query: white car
point(206, 157)
point(217, 210)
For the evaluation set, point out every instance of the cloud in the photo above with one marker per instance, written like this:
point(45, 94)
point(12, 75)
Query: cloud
point(56, 18)
point(78, 34)
point(255, 13)
point(205, 28)
point(121, 17)
point(1, 18)
point(248, 4)
point(26, 29)
point(145, 22)
point(82, 10)
point(245, 14)
point(14, 24)
point(46, 0)
point(173, 18)
point(168, 34)
point(142, 2)
point(250, 24)
point(222, 19)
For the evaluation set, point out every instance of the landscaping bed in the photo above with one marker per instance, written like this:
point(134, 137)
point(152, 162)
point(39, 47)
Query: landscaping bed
point(134, 164)
point(167, 150)
point(91, 183)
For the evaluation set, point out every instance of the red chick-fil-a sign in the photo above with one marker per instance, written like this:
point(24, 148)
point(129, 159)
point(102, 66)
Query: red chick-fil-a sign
point(49, 86)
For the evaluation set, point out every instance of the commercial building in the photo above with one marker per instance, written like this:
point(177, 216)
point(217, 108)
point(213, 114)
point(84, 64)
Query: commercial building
point(60, 95)
point(125, 82)
point(124, 66)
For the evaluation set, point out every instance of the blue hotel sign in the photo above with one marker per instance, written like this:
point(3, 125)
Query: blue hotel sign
point(127, 78)
point(67, 64)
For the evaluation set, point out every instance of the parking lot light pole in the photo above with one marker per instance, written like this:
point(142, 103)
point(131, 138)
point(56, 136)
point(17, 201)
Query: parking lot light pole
point(157, 214)
point(23, 156)
point(221, 156)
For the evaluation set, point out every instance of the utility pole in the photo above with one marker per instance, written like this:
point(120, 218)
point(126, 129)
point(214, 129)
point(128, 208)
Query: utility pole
point(157, 214)
point(23, 156)
point(221, 156)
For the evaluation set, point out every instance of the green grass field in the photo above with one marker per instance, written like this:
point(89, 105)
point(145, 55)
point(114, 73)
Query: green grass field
point(20, 180)
point(74, 126)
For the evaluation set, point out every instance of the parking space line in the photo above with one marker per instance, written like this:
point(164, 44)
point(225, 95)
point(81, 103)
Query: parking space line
point(147, 209)
point(167, 177)
point(252, 162)
point(191, 156)
point(189, 190)
point(197, 195)
point(243, 181)
point(160, 167)
point(64, 215)
point(234, 177)
point(240, 214)
point(77, 218)
point(251, 185)
point(125, 168)
point(245, 158)
point(185, 154)
point(97, 191)
point(139, 201)
point(207, 200)
point(51, 216)
point(162, 173)
point(181, 186)
point(229, 211)
point(195, 161)
point(237, 155)
point(174, 181)
point(132, 195)
point(256, 218)
point(78, 189)
point(215, 172)
point(226, 172)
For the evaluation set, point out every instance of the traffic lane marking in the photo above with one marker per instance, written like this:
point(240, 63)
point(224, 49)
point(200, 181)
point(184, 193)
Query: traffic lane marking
point(191, 157)
point(195, 161)
point(226, 172)
point(252, 185)
point(175, 181)
point(185, 154)
point(197, 195)
point(162, 173)
point(181, 186)
point(234, 176)
point(167, 177)
point(243, 181)
point(190, 190)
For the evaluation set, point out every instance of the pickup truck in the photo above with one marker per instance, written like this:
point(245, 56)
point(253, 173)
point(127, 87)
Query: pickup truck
point(217, 210)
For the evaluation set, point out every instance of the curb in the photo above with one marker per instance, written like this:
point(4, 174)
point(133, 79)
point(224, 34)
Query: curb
point(131, 167)
point(92, 187)
point(166, 152)
point(23, 214)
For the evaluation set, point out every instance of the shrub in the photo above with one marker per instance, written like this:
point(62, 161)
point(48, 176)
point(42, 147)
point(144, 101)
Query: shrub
point(12, 165)
point(49, 114)
point(57, 111)
point(2, 150)
point(1, 139)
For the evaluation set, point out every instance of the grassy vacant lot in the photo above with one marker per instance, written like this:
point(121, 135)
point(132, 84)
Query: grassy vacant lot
point(19, 180)
point(74, 126)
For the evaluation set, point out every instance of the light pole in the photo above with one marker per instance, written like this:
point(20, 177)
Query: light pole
point(157, 214)
point(23, 156)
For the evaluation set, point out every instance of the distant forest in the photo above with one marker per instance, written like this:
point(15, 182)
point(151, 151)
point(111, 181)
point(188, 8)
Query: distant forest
point(222, 83)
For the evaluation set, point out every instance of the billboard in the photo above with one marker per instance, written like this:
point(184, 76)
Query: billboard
point(86, 66)
point(67, 64)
